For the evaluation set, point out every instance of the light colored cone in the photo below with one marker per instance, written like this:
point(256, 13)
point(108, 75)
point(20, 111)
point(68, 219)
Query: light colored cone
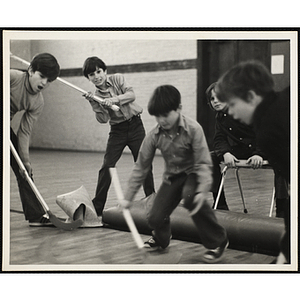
point(71, 202)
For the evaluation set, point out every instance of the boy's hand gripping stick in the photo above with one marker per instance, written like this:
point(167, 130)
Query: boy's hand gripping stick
point(96, 98)
point(54, 220)
point(169, 257)
point(126, 213)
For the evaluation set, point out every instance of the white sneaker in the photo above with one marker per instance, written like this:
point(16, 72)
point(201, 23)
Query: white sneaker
point(281, 259)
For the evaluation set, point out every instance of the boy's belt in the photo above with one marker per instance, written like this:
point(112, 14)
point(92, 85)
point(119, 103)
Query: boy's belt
point(133, 117)
point(129, 120)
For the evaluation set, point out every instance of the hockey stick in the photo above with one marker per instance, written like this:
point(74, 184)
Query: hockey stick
point(54, 220)
point(148, 258)
point(96, 98)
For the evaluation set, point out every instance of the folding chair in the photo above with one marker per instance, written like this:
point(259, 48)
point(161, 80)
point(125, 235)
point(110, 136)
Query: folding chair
point(243, 164)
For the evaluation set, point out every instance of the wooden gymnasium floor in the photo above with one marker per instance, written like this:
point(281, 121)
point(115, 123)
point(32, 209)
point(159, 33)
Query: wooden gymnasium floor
point(59, 172)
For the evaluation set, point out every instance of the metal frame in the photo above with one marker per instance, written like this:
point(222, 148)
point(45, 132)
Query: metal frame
point(243, 164)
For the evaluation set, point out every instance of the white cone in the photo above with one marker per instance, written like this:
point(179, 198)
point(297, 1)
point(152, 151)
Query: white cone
point(70, 202)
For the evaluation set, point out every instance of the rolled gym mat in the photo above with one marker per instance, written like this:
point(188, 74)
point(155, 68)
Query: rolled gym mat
point(245, 232)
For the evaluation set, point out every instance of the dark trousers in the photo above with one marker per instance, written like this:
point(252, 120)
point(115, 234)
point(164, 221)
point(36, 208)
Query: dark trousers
point(32, 208)
point(281, 195)
point(285, 242)
point(211, 233)
point(128, 133)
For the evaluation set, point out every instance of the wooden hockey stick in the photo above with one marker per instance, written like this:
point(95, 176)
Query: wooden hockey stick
point(148, 257)
point(96, 98)
point(54, 220)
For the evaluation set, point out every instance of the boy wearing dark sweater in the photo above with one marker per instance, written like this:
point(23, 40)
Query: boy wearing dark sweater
point(248, 88)
point(233, 140)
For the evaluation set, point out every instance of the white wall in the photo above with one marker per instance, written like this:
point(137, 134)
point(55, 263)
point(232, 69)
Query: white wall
point(68, 122)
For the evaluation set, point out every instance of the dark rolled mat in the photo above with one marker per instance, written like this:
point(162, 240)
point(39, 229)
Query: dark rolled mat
point(245, 232)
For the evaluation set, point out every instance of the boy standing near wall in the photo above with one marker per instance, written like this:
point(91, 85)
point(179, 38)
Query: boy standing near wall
point(25, 95)
point(187, 174)
point(248, 88)
point(232, 141)
point(126, 125)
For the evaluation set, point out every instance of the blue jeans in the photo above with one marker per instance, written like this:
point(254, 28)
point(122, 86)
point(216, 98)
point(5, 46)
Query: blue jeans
point(129, 133)
point(183, 186)
point(32, 208)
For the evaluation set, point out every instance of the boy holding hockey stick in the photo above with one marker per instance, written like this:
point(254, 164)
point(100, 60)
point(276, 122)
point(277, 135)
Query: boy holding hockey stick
point(187, 174)
point(25, 95)
point(126, 126)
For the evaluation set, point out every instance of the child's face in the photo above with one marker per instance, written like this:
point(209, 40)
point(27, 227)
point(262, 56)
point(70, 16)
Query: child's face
point(168, 120)
point(38, 81)
point(241, 110)
point(98, 77)
point(215, 103)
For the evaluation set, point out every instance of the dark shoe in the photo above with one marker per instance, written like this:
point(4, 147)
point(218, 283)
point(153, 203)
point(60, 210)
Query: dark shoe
point(153, 245)
point(215, 255)
point(41, 222)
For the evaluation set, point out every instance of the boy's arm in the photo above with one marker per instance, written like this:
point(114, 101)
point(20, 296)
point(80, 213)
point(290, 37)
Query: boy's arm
point(141, 167)
point(221, 145)
point(127, 95)
point(26, 125)
point(102, 114)
point(202, 161)
point(258, 151)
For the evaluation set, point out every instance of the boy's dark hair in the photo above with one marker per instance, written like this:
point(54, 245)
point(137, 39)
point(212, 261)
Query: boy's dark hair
point(90, 65)
point(46, 64)
point(208, 93)
point(246, 76)
point(164, 99)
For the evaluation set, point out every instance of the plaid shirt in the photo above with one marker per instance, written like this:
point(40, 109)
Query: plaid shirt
point(187, 152)
point(117, 89)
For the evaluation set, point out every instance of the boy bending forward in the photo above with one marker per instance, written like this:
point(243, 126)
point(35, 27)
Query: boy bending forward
point(26, 96)
point(249, 90)
point(187, 174)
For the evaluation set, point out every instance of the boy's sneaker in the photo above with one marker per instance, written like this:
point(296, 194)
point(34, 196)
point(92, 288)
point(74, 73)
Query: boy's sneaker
point(41, 222)
point(215, 255)
point(152, 245)
point(281, 259)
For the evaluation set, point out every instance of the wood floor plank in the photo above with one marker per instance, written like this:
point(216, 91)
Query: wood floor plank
point(59, 172)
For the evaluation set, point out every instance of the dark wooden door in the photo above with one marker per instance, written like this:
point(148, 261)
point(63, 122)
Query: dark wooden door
point(216, 57)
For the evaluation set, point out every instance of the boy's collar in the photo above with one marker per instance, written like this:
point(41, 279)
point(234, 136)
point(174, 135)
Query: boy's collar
point(223, 111)
point(181, 123)
point(107, 84)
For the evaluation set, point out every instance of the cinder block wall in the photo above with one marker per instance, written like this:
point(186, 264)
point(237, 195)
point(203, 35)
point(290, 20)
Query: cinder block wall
point(67, 121)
